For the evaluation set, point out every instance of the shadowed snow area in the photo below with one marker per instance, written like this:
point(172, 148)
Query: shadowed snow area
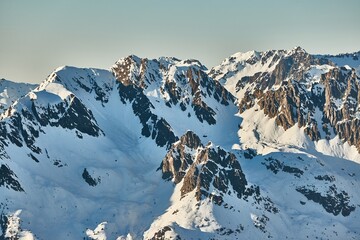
point(265, 145)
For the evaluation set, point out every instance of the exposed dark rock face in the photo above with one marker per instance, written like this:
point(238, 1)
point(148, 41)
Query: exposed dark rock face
point(123, 71)
point(260, 222)
point(23, 127)
point(325, 178)
point(158, 129)
point(219, 169)
point(89, 179)
point(3, 225)
point(226, 231)
point(209, 171)
point(8, 179)
point(182, 83)
point(203, 168)
point(26, 122)
point(292, 65)
point(291, 103)
point(87, 83)
point(257, 57)
point(72, 114)
point(178, 160)
point(343, 84)
point(250, 153)
point(205, 172)
point(333, 201)
point(289, 95)
point(276, 166)
point(160, 235)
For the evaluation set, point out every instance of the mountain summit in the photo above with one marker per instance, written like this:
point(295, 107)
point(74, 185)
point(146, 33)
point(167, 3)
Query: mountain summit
point(265, 145)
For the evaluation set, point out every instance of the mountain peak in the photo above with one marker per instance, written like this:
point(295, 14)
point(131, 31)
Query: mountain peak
point(191, 140)
point(11, 91)
point(242, 56)
point(132, 58)
point(279, 119)
point(292, 85)
point(298, 49)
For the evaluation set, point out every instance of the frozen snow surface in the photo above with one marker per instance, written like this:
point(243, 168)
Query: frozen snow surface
point(11, 91)
point(81, 156)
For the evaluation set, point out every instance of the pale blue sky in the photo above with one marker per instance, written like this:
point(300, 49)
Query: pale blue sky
point(39, 35)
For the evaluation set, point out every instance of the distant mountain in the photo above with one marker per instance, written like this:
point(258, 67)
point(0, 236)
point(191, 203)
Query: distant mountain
point(265, 145)
point(349, 59)
point(11, 91)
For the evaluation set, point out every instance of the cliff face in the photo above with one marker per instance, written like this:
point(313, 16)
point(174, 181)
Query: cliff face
point(342, 86)
point(203, 168)
point(157, 149)
point(310, 91)
point(180, 83)
point(210, 172)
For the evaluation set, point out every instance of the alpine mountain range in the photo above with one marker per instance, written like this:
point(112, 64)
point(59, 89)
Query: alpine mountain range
point(264, 145)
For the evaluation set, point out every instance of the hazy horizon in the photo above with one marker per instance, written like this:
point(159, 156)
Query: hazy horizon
point(39, 36)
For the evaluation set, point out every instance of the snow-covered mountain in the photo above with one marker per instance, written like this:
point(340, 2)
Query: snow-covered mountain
point(297, 88)
point(265, 145)
point(11, 91)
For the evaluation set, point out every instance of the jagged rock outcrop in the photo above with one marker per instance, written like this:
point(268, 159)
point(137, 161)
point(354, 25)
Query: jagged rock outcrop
point(295, 87)
point(157, 128)
point(183, 83)
point(209, 171)
point(27, 118)
point(203, 168)
point(333, 201)
point(161, 234)
point(342, 99)
point(42, 108)
point(89, 179)
point(178, 159)
point(8, 179)
point(87, 142)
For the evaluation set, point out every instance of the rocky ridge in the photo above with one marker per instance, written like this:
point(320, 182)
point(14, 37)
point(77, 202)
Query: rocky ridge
point(90, 142)
point(208, 171)
point(183, 83)
point(203, 168)
point(295, 87)
point(79, 103)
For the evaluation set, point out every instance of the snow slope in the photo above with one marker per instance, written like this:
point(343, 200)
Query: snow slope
point(158, 149)
point(11, 91)
point(112, 159)
point(126, 190)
